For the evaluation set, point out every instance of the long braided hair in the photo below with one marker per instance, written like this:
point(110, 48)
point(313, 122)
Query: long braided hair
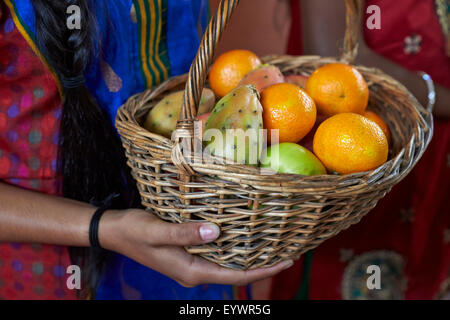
point(91, 160)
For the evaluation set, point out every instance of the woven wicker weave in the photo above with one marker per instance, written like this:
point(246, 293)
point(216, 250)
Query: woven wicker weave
point(265, 219)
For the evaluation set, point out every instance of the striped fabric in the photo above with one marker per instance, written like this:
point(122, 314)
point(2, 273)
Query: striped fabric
point(151, 18)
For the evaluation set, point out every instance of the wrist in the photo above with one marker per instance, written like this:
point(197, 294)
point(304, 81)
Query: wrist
point(110, 229)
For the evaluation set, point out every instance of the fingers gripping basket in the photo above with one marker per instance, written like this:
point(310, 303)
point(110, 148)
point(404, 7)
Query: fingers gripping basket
point(265, 219)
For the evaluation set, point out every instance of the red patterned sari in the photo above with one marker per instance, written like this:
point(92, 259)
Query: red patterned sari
point(30, 109)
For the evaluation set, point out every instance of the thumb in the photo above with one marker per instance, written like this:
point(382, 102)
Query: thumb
point(185, 234)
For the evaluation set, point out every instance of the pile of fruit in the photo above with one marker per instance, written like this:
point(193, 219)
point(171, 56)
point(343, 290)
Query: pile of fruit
point(321, 122)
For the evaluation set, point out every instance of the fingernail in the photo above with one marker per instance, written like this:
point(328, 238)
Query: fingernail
point(287, 264)
point(209, 232)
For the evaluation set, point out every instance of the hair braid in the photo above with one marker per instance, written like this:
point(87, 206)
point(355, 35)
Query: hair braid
point(91, 159)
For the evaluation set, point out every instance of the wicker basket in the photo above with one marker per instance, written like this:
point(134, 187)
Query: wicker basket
point(265, 219)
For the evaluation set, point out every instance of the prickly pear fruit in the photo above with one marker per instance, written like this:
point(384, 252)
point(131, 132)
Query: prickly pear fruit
point(163, 118)
point(234, 129)
point(297, 80)
point(263, 77)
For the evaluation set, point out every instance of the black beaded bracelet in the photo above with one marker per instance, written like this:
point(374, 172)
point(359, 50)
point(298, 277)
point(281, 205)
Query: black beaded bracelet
point(95, 221)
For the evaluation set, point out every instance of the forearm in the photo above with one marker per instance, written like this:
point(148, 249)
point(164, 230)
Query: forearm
point(410, 79)
point(27, 216)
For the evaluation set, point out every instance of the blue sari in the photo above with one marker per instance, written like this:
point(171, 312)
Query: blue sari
point(141, 43)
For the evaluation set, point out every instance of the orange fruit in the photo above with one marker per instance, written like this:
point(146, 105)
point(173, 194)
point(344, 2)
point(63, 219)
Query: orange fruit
point(349, 143)
point(338, 88)
point(377, 119)
point(229, 69)
point(289, 109)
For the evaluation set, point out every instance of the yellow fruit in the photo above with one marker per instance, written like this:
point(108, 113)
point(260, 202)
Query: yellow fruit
point(349, 143)
point(338, 88)
point(229, 69)
point(289, 109)
point(377, 119)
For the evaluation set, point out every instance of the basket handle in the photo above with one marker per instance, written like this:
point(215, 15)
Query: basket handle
point(352, 21)
point(199, 68)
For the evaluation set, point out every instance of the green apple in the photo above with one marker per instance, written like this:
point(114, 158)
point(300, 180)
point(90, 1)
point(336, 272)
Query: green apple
point(292, 158)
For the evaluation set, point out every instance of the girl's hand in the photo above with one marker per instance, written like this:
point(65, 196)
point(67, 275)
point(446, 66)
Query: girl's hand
point(159, 246)
point(31, 217)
